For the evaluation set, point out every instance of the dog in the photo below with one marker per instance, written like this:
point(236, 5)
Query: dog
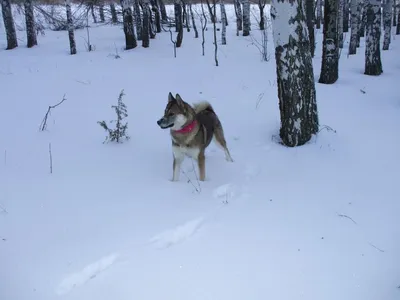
point(192, 129)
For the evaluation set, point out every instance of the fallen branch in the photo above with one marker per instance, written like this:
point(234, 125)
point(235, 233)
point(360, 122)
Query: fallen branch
point(43, 125)
point(344, 216)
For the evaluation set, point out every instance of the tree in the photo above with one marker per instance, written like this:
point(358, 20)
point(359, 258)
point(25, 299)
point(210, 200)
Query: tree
point(239, 16)
point(319, 13)
point(223, 20)
point(261, 6)
point(330, 50)
point(30, 24)
point(164, 16)
point(156, 9)
point(130, 38)
point(340, 23)
point(354, 27)
point(398, 24)
point(114, 17)
point(196, 33)
point(178, 22)
point(310, 24)
point(9, 24)
point(394, 12)
point(101, 12)
point(295, 74)
point(70, 25)
point(146, 25)
point(246, 17)
point(387, 22)
point(373, 63)
point(346, 16)
point(138, 19)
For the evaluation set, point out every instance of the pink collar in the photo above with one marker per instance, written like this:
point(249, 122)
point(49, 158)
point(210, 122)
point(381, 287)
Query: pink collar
point(188, 128)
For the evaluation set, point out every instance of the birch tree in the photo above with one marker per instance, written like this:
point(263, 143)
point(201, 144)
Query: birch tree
point(354, 27)
point(130, 38)
point(330, 50)
point(310, 24)
point(101, 12)
point(156, 9)
point(114, 17)
point(164, 16)
point(261, 7)
point(30, 24)
point(239, 16)
point(9, 24)
point(146, 25)
point(223, 20)
point(394, 13)
point(340, 23)
point(246, 17)
point(346, 16)
point(319, 13)
point(178, 22)
point(360, 8)
point(138, 19)
point(70, 26)
point(387, 22)
point(373, 63)
point(295, 75)
point(196, 33)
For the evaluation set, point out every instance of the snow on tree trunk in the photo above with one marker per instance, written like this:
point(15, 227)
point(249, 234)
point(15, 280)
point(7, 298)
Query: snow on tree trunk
point(196, 33)
point(9, 24)
point(354, 27)
point(387, 22)
point(373, 63)
point(223, 20)
point(330, 50)
point(340, 22)
point(138, 19)
point(156, 9)
point(295, 75)
point(130, 38)
point(179, 22)
point(164, 16)
point(319, 13)
point(310, 24)
point(114, 17)
point(239, 15)
point(101, 13)
point(30, 24)
point(346, 16)
point(146, 25)
point(246, 17)
point(70, 26)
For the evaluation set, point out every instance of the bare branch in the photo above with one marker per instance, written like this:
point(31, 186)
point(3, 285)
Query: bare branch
point(43, 125)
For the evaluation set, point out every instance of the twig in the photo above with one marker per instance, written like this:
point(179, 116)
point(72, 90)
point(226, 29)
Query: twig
point(259, 99)
point(51, 159)
point(345, 216)
point(3, 210)
point(43, 125)
point(328, 128)
point(372, 245)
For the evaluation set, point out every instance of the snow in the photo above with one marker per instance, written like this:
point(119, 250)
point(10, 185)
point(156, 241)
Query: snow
point(313, 222)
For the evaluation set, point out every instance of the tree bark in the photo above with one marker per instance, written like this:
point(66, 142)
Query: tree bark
point(239, 15)
point(246, 18)
point(30, 24)
point(319, 13)
point(373, 63)
point(310, 24)
point(330, 50)
point(9, 24)
point(164, 16)
point(138, 19)
point(130, 38)
point(354, 27)
point(223, 20)
point(101, 13)
point(156, 9)
point(394, 13)
point(114, 17)
point(70, 25)
point(295, 75)
point(359, 23)
point(340, 23)
point(196, 33)
point(179, 22)
point(387, 23)
point(346, 16)
point(261, 6)
point(146, 25)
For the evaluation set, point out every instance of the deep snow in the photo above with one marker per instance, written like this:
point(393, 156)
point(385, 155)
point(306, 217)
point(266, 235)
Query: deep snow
point(314, 222)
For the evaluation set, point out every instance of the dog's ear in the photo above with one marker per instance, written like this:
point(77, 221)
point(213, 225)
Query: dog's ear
point(170, 97)
point(179, 99)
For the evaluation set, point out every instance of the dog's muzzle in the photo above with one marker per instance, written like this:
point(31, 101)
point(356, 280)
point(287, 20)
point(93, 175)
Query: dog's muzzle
point(164, 124)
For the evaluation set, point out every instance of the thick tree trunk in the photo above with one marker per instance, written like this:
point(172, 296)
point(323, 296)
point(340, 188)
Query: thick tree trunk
point(354, 27)
point(156, 9)
point(246, 18)
point(130, 38)
point(363, 18)
point(164, 16)
point(340, 23)
point(70, 26)
point(145, 25)
point(138, 19)
point(346, 16)
point(9, 24)
point(295, 75)
point(310, 24)
point(387, 22)
point(223, 21)
point(330, 50)
point(114, 16)
point(373, 63)
point(239, 15)
point(359, 23)
point(196, 33)
point(30, 24)
point(319, 13)
point(179, 22)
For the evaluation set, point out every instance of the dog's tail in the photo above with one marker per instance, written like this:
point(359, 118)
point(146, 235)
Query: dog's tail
point(202, 106)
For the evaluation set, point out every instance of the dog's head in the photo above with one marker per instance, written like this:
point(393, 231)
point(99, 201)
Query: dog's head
point(177, 113)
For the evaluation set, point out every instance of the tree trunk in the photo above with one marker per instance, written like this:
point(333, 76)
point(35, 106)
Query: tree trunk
point(354, 27)
point(239, 15)
point(246, 17)
point(330, 50)
point(340, 23)
point(164, 16)
point(138, 19)
point(295, 75)
point(261, 6)
point(398, 24)
point(92, 11)
point(387, 22)
point(186, 16)
point(363, 18)
point(152, 26)
point(373, 63)
point(179, 22)
point(130, 38)
point(210, 10)
point(319, 13)
point(223, 20)
point(9, 24)
point(146, 25)
point(196, 33)
point(114, 17)
point(157, 17)
point(70, 25)
point(101, 13)
point(346, 16)
point(214, 15)
point(30, 24)
point(310, 24)
point(394, 13)
point(359, 20)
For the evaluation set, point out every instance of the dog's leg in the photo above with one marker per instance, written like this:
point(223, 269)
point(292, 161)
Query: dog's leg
point(219, 139)
point(201, 160)
point(178, 159)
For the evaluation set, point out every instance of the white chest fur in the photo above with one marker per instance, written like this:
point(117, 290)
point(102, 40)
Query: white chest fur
point(181, 152)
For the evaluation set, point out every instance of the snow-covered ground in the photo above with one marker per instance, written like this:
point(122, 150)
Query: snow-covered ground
point(319, 221)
